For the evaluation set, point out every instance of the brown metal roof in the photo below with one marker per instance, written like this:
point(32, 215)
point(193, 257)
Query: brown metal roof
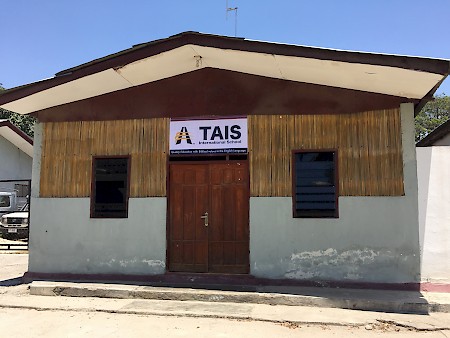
point(224, 42)
point(8, 124)
point(145, 50)
point(435, 135)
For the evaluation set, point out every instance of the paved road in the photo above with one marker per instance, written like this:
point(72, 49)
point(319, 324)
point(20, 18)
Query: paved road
point(24, 315)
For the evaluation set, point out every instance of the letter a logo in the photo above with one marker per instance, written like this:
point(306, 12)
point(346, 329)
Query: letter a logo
point(183, 134)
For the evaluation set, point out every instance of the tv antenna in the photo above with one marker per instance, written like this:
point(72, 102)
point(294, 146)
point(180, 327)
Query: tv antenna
point(230, 9)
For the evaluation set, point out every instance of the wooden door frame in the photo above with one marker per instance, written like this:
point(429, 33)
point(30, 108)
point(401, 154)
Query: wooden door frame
point(199, 161)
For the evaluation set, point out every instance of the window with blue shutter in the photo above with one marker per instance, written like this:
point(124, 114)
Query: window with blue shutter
point(315, 184)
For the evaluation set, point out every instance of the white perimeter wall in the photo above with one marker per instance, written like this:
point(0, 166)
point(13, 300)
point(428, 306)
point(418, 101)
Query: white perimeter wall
point(433, 170)
point(375, 239)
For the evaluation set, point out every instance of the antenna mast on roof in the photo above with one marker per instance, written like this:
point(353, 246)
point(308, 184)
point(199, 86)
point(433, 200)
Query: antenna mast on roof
point(229, 9)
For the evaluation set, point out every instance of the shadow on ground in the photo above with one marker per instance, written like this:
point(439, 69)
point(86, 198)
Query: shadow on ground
point(11, 281)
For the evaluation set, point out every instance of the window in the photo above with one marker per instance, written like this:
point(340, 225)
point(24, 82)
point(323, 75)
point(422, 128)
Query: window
point(4, 201)
point(21, 189)
point(315, 184)
point(109, 198)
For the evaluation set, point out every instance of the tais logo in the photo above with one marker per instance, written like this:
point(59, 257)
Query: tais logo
point(183, 134)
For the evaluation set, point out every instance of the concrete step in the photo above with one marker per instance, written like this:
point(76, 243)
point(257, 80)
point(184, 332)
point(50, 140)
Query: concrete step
point(370, 300)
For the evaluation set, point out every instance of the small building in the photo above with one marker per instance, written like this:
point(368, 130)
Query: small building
point(208, 154)
point(438, 137)
point(16, 158)
point(433, 163)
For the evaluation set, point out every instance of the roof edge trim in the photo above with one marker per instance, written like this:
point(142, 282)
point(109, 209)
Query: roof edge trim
point(141, 51)
point(13, 127)
point(435, 135)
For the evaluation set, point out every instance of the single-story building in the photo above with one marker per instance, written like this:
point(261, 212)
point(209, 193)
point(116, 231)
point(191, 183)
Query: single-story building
point(16, 159)
point(204, 154)
point(433, 163)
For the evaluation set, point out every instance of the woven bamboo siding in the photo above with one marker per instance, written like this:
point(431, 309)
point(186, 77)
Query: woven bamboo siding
point(369, 151)
point(68, 147)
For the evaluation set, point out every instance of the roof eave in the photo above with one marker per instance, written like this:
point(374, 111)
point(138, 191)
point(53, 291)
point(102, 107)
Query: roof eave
point(435, 135)
point(429, 97)
point(13, 127)
point(145, 50)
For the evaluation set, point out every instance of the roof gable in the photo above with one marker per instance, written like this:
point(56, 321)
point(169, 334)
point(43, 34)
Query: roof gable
point(17, 137)
point(437, 134)
point(217, 92)
point(401, 76)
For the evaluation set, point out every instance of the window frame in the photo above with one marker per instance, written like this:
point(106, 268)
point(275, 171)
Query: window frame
point(93, 186)
point(336, 182)
point(20, 188)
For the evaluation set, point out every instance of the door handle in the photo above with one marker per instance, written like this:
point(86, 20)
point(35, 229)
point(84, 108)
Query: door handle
point(205, 217)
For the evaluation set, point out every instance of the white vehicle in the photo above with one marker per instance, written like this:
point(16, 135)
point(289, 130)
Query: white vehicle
point(15, 225)
point(8, 202)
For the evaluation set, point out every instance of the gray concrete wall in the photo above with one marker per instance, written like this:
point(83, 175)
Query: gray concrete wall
point(64, 239)
point(371, 241)
point(433, 165)
point(375, 239)
point(37, 154)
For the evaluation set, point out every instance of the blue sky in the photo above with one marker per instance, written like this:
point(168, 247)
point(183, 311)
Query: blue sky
point(40, 38)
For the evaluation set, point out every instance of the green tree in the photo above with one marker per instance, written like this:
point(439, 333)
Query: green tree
point(23, 122)
point(432, 115)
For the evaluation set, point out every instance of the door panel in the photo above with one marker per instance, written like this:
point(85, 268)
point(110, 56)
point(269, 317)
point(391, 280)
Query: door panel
point(188, 237)
point(229, 233)
point(222, 190)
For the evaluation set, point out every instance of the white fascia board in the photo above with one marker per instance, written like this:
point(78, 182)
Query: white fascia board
point(370, 78)
point(177, 61)
point(92, 85)
point(362, 77)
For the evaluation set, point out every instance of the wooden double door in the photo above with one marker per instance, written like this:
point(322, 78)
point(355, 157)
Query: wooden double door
point(209, 217)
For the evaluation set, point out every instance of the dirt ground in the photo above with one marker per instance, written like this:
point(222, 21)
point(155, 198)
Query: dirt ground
point(94, 321)
point(13, 264)
point(32, 323)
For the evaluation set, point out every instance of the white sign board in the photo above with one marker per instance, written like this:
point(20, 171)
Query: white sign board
point(198, 137)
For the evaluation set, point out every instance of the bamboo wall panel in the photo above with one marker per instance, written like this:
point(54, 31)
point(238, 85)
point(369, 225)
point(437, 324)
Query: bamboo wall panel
point(369, 151)
point(68, 147)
